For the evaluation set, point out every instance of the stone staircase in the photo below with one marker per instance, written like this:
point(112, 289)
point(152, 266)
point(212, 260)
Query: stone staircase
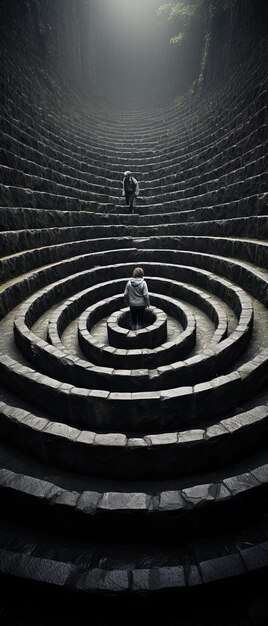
point(134, 466)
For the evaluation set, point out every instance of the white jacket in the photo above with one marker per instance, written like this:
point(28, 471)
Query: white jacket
point(136, 293)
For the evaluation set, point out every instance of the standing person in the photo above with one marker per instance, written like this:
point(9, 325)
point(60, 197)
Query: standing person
point(130, 190)
point(137, 297)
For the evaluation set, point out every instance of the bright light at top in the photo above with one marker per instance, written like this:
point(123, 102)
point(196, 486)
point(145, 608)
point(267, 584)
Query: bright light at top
point(129, 14)
point(132, 52)
point(129, 8)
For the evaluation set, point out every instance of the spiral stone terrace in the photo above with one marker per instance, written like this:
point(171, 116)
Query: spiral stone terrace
point(119, 442)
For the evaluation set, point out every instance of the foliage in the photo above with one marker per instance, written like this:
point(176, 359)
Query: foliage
point(182, 13)
point(179, 10)
point(177, 38)
point(193, 20)
point(215, 7)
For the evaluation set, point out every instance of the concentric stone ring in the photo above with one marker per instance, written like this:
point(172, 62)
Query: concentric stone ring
point(152, 335)
point(103, 354)
point(133, 462)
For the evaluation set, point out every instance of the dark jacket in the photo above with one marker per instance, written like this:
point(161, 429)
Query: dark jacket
point(130, 185)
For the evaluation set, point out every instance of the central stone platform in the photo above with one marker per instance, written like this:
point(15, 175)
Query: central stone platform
point(151, 336)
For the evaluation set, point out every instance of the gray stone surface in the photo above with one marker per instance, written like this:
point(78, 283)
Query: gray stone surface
point(154, 468)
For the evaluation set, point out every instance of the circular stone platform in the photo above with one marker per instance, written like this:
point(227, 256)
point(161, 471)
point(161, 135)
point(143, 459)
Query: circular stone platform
point(151, 336)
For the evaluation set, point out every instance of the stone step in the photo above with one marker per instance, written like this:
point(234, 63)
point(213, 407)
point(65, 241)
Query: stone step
point(154, 512)
point(249, 227)
point(257, 154)
point(165, 120)
point(165, 116)
point(170, 409)
point(117, 341)
point(56, 197)
point(188, 165)
point(257, 120)
point(175, 448)
point(103, 151)
point(81, 569)
point(248, 276)
point(16, 218)
point(148, 457)
point(253, 251)
point(257, 365)
point(165, 354)
point(12, 177)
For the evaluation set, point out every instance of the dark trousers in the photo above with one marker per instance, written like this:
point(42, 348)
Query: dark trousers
point(131, 199)
point(137, 315)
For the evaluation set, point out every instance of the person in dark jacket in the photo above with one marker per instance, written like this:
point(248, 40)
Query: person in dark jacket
point(137, 298)
point(130, 190)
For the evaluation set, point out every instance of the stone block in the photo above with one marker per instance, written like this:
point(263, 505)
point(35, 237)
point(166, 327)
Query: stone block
point(172, 501)
point(255, 557)
point(110, 440)
point(88, 502)
point(222, 567)
point(124, 502)
point(100, 580)
point(243, 482)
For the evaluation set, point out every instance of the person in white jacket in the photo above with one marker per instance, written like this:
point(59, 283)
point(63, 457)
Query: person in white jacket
point(137, 298)
point(130, 190)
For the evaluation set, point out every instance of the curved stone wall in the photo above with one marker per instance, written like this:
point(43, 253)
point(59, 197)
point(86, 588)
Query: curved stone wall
point(155, 440)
